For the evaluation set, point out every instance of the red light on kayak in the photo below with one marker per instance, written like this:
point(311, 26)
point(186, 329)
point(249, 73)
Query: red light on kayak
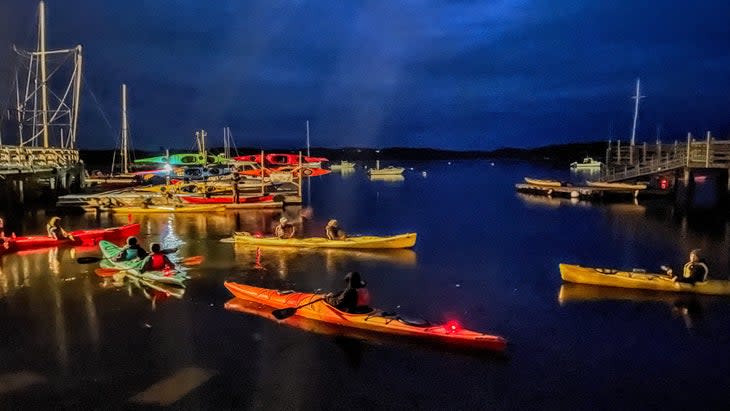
point(258, 234)
point(453, 327)
point(663, 184)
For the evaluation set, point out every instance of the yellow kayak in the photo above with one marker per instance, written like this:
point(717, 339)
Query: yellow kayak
point(371, 242)
point(170, 209)
point(639, 280)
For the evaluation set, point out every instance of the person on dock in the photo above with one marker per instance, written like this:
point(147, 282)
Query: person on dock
point(234, 186)
point(131, 251)
point(354, 299)
point(333, 231)
point(284, 229)
point(2, 228)
point(55, 230)
point(695, 270)
point(157, 260)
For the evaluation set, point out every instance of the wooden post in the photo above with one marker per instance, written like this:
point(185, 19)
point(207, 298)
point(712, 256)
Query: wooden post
point(301, 171)
point(707, 151)
point(618, 151)
point(263, 172)
point(643, 152)
point(689, 140)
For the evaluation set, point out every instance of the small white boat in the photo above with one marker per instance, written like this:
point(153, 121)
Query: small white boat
point(389, 171)
point(623, 186)
point(588, 164)
point(343, 165)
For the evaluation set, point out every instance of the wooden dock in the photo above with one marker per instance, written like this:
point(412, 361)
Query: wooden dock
point(588, 193)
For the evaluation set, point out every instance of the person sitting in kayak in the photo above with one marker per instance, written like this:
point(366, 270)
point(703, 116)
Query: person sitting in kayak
point(55, 230)
point(131, 251)
point(354, 298)
point(284, 229)
point(695, 270)
point(333, 231)
point(157, 260)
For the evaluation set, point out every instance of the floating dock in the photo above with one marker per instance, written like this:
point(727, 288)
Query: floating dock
point(588, 193)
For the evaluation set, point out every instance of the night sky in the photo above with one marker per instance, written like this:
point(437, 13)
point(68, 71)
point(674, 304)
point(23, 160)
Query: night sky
point(434, 73)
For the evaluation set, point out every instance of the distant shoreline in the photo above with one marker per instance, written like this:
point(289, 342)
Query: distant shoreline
point(553, 154)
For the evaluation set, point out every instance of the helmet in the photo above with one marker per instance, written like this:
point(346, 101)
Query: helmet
point(283, 220)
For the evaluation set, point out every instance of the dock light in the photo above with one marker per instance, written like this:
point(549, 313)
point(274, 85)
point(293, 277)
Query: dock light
point(167, 167)
point(453, 327)
point(663, 184)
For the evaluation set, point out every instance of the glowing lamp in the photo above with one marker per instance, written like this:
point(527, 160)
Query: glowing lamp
point(452, 327)
point(663, 184)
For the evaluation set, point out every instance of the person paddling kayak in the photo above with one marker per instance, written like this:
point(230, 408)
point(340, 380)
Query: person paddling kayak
point(355, 298)
point(55, 230)
point(131, 251)
point(695, 270)
point(333, 231)
point(284, 229)
point(157, 260)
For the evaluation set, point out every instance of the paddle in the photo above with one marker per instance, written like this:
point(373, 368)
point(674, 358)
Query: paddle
point(194, 260)
point(283, 313)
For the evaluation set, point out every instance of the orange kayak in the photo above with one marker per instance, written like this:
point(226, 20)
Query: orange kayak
point(375, 321)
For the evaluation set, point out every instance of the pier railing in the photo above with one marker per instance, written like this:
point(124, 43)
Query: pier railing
point(35, 158)
point(627, 162)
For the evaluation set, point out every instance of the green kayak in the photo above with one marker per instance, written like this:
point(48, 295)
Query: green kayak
point(184, 160)
point(133, 267)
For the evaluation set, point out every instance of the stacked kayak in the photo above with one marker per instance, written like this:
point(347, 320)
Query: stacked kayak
point(374, 321)
point(226, 199)
point(169, 209)
point(134, 267)
point(364, 242)
point(80, 237)
point(639, 280)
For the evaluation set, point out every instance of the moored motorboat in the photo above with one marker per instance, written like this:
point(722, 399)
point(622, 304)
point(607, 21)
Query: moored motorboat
point(545, 183)
point(624, 186)
point(376, 321)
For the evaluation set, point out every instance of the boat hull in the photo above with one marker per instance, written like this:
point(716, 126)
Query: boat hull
point(639, 280)
point(375, 321)
point(81, 238)
point(203, 208)
point(544, 183)
point(226, 200)
point(626, 186)
point(407, 240)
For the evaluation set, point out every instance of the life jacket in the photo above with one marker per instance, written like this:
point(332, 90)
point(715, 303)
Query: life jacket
point(130, 253)
point(363, 297)
point(158, 261)
point(695, 271)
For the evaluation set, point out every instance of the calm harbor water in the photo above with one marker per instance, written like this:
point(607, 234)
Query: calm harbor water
point(485, 256)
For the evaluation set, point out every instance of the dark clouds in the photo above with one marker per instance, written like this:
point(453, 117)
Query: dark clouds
point(451, 74)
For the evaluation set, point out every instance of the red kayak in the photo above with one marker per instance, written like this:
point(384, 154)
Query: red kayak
point(226, 200)
point(80, 237)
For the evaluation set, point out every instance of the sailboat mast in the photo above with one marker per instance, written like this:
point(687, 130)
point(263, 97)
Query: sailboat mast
point(308, 155)
point(42, 53)
point(636, 111)
point(125, 132)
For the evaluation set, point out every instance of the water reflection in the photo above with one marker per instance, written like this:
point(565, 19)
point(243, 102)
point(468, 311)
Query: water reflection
point(687, 307)
point(388, 178)
point(348, 338)
point(277, 259)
